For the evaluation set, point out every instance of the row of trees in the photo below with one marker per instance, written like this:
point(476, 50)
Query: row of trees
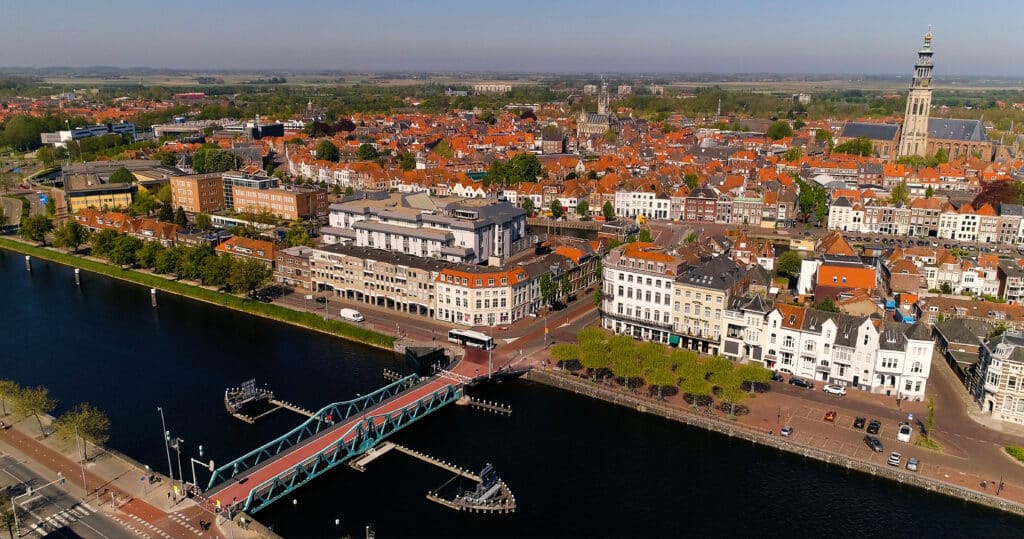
point(634, 364)
point(83, 421)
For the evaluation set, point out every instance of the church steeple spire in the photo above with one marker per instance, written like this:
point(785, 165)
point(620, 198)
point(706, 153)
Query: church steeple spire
point(914, 140)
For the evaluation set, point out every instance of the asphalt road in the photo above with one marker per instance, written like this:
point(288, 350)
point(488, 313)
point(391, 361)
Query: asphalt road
point(50, 511)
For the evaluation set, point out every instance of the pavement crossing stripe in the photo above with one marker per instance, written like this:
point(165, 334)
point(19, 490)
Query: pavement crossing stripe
point(80, 510)
point(87, 506)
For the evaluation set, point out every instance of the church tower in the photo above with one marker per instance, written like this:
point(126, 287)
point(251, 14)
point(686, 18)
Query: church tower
point(602, 99)
point(914, 140)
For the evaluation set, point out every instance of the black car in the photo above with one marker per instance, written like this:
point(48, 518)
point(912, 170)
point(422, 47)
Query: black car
point(776, 377)
point(859, 423)
point(874, 443)
point(801, 383)
point(321, 299)
point(874, 427)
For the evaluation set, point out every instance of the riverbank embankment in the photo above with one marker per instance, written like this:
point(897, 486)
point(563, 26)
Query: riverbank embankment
point(742, 432)
point(168, 284)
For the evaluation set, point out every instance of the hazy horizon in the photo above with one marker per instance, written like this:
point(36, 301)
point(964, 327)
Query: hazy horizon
point(798, 37)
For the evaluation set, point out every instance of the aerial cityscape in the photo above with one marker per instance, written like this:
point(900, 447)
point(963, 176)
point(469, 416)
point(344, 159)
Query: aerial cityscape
point(575, 269)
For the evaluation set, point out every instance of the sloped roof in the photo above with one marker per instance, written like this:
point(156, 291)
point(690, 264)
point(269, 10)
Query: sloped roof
point(870, 131)
point(949, 129)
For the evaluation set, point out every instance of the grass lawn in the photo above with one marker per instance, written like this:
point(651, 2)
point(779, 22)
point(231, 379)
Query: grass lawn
point(1015, 452)
point(266, 310)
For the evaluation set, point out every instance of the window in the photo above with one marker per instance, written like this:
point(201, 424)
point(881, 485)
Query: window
point(908, 386)
point(479, 282)
point(809, 346)
point(787, 341)
point(916, 367)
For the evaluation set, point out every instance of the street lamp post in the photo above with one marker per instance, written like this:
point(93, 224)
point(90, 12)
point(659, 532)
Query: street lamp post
point(490, 349)
point(85, 485)
point(29, 492)
point(181, 476)
point(167, 447)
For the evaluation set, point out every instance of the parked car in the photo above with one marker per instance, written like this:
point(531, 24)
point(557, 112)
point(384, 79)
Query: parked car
point(895, 459)
point(830, 415)
point(835, 390)
point(912, 464)
point(903, 435)
point(859, 423)
point(786, 431)
point(799, 382)
point(874, 443)
point(321, 299)
point(4, 426)
point(874, 426)
point(776, 377)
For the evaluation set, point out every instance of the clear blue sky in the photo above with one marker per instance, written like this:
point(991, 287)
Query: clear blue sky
point(724, 36)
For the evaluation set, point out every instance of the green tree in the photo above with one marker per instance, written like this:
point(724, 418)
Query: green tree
point(645, 235)
point(122, 253)
point(9, 391)
point(102, 242)
point(582, 208)
point(566, 354)
point(625, 364)
point(444, 149)
point(145, 203)
point(167, 261)
point(35, 401)
point(548, 289)
point(192, 261)
point(788, 264)
point(857, 146)
point(522, 167)
point(166, 213)
point(297, 236)
point(168, 159)
point(941, 156)
point(528, 206)
point(753, 374)
point(900, 193)
point(692, 180)
point(793, 154)
point(146, 256)
point(218, 269)
point(209, 160)
point(780, 129)
point(598, 298)
point(565, 286)
point(367, 152)
point(51, 206)
point(203, 221)
point(608, 211)
point(556, 209)
point(35, 228)
point(248, 275)
point(180, 218)
point(594, 358)
point(827, 305)
point(121, 175)
point(691, 237)
point(822, 135)
point(611, 136)
point(946, 288)
point(165, 195)
point(929, 422)
point(929, 192)
point(695, 386)
point(407, 161)
point(349, 190)
point(70, 236)
point(87, 423)
point(732, 394)
point(327, 151)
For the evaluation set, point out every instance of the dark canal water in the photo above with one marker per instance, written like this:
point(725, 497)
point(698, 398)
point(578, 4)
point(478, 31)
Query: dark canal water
point(578, 467)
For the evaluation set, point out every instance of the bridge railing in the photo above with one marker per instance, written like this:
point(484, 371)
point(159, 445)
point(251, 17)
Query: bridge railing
point(355, 441)
point(330, 414)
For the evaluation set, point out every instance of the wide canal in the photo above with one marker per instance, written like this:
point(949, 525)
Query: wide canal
point(578, 467)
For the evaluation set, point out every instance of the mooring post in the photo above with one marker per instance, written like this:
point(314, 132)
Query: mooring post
point(152, 296)
point(28, 263)
point(78, 277)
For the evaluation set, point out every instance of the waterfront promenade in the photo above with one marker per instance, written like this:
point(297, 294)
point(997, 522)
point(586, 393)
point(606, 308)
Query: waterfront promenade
point(115, 486)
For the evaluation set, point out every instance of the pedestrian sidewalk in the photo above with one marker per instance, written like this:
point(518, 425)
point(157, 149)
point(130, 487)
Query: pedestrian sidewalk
point(115, 484)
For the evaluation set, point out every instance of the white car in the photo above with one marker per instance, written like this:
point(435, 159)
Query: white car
point(895, 459)
point(835, 390)
point(903, 435)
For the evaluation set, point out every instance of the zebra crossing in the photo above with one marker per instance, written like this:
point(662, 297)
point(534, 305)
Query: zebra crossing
point(183, 521)
point(61, 519)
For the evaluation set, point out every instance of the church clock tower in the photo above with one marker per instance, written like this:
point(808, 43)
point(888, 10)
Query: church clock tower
point(914, 139)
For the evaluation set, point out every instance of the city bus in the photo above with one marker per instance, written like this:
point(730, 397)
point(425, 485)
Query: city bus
point(468, 337)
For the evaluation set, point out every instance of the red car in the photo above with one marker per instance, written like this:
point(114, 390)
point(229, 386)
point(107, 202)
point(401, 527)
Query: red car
point(830, 415)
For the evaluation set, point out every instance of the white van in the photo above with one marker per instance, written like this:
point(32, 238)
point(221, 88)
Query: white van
point(351, 315)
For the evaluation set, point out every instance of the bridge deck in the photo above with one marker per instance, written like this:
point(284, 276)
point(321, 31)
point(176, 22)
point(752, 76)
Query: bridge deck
point(237, 489)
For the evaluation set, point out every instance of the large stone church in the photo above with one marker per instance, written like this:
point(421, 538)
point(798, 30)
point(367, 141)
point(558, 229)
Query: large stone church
point(919, 134)
point(596, 123)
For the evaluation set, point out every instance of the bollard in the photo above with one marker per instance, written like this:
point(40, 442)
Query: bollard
point(152, 296)
point(28, 263)
point(78, 277)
